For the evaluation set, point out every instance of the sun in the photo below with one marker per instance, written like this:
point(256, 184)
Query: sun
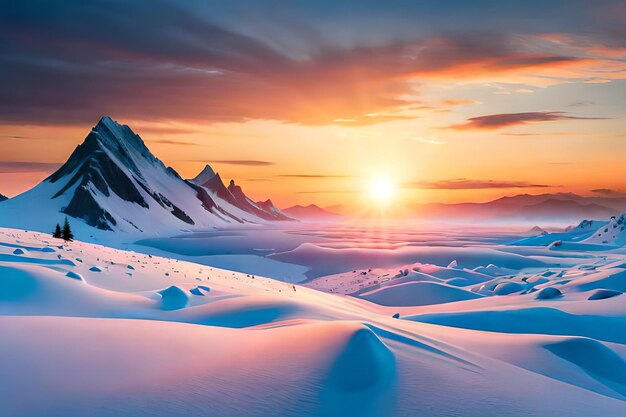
point(382, 190)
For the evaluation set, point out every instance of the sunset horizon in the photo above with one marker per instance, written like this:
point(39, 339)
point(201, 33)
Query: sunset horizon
point(311, 111)
point(303, 208)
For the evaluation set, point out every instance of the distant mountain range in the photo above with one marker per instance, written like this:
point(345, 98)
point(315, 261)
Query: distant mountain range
point(3, 197)
point(113, 182)
point(310, 212)
point(565, 207)
point(234, 195)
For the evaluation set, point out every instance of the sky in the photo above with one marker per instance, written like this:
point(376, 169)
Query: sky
point(311, 101)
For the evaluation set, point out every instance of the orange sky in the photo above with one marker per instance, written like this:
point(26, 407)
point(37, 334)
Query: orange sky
point(301, 117)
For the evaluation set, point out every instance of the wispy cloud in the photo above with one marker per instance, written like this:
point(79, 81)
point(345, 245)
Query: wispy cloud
point(430, 139)
point(608, 192)
point(328, 192)
point(369, 119)
point(7, 167)
point(497, 121)
point(539, 133)
point(468, 184)
point(457, 102)
point(257, 180)
point(563, 163)
point(15, 137)
point(313, 176)
point(242, 162)
point(172, 142)
point(164, 130)
point(581, 104)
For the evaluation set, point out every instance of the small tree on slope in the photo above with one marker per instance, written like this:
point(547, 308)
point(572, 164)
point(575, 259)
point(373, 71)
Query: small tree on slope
point(67, 231)
point(57, 232)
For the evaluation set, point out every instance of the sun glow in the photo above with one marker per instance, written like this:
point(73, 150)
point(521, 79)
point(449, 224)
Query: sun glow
point(382, 190)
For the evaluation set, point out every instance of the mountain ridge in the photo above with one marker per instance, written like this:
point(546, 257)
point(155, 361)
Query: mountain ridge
point(310, 211)
point(529, 207)
point(112, 182)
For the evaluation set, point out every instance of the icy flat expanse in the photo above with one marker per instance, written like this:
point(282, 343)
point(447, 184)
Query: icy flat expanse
point(484, 329)
point(295, 252)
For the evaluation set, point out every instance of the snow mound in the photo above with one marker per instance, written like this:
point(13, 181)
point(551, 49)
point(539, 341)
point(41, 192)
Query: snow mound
point(19, 251)
point(200, 290)
point(247, 311)
point(608, 279)
point(36, 290)
point(95, 269)
point(594, 357)
point(196, 291)
point(493, 270)
point(506, 288)
point(548, 293)
point(364, 362)
point(173, 298)
point(74, 275)
point(604, 294)
point(555, 245)
point(417, 293)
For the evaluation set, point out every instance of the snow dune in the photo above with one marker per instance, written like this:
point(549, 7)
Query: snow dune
point(148, 335)
point(326, 261)
point(417, 293)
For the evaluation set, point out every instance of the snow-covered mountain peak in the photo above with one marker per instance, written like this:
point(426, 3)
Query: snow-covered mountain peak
point(236, 189)
point(113, 182)
point(205, 175)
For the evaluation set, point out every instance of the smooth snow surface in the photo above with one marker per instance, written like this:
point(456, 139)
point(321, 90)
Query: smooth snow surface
point(144, 335)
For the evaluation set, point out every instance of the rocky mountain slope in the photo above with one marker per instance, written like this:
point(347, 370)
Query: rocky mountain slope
point(112, 182)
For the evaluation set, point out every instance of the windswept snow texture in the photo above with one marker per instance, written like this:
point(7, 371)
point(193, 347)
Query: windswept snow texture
point(113, 183)
point(90, 330)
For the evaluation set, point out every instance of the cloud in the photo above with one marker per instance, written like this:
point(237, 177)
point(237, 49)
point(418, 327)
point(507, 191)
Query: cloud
point(539, 133)
point(7, 167)
point(242, 162)
point(328, 192)
point(581, 104)
point(608, 192)
point(467, 184)
point(257, 180)
point(168, 60)
point(163, 130)
point(431, 140)
point(172, 142)
point(15, 137)
point(369, 119)
point(313, 176)
point(457, 102)
point(497, 121)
